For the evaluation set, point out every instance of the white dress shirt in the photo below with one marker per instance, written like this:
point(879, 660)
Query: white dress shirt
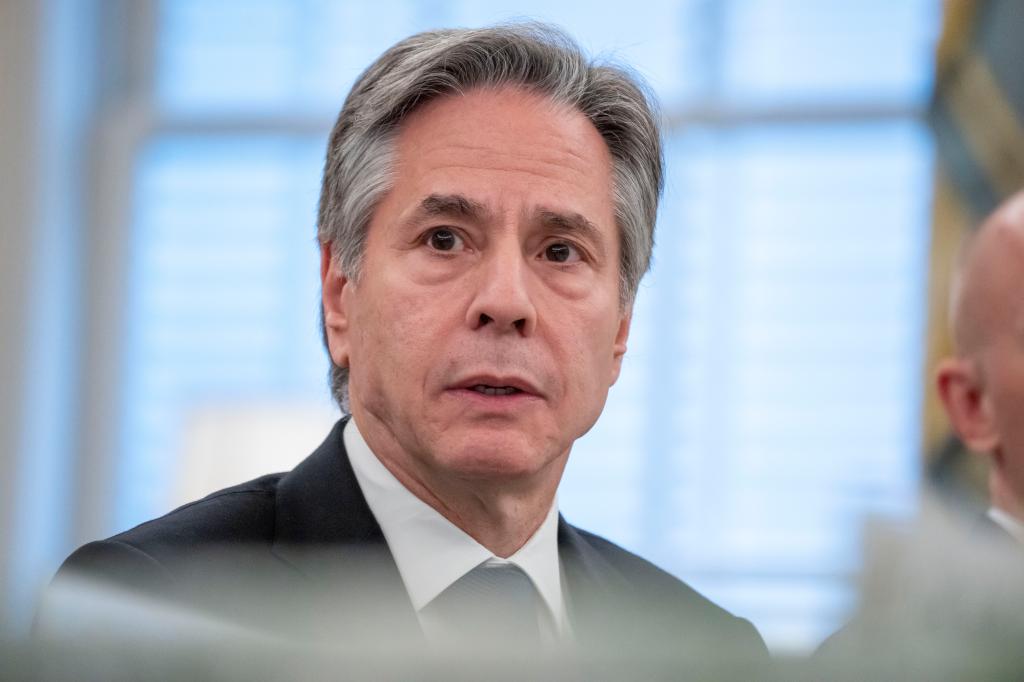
point(1008, 523)
point(432, 553)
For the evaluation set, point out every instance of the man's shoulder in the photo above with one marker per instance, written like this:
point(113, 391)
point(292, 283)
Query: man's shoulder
point(155, 552)
point(633, 566)
point(669, 605)
point(647, 579)
point(243, 513)
point(234, 524)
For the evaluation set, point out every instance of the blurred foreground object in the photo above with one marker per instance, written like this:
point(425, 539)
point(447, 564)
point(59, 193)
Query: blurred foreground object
point(941, 600)
point(91, 630)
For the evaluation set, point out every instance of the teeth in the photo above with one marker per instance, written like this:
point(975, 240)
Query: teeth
point(495, 390)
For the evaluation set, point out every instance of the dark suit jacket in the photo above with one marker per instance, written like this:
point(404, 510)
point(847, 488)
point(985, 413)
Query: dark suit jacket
point(308, 545)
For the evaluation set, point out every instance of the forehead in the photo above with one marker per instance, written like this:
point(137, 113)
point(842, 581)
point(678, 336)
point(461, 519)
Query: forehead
point(994, 276)
point(506, 147)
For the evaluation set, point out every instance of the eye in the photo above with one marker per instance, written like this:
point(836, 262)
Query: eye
point(443, 239)
point(560, 252)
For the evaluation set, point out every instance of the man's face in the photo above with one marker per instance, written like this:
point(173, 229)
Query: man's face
point(486, 327)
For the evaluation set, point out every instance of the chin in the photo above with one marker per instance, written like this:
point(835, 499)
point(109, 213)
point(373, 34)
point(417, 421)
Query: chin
point(495, 457)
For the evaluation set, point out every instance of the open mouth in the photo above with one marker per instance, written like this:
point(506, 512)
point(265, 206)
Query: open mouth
point(494, 390)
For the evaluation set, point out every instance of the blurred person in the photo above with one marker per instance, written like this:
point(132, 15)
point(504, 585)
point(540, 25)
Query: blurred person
point(941, 599)
point(982, 385)
point(487, 212)
point(938, 600)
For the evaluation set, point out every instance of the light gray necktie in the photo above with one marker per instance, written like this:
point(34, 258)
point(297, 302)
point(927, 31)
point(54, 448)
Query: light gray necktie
point(494, 604)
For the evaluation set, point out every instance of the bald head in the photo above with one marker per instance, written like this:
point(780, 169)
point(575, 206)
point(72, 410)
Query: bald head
point(987, 300)
point(982, 388)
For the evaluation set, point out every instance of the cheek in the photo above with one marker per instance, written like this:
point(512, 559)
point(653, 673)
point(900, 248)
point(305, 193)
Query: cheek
point(1007, 375)
point(399, 335)
point(1010, 409)
point(592, 356)
point(1006, 399)
point(1011, 434)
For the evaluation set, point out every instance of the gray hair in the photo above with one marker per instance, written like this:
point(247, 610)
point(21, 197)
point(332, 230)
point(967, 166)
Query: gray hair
point(536, 57)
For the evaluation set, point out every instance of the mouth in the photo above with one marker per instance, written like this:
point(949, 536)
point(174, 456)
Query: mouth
point(494, 390)
point(498, 387)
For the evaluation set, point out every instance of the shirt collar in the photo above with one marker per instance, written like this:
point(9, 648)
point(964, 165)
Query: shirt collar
point(1008, 523)
point(430, 551)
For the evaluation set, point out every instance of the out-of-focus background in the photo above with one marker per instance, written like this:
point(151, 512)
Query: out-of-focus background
point(159, 275)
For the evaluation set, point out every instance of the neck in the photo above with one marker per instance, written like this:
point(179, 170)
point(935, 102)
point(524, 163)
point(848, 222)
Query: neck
point(502, 523)
point(499, 512)
point(1002, 495)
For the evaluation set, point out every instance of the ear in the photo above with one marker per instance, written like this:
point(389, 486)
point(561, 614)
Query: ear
point(334, 290)
point(619, 345)
point(967, 404)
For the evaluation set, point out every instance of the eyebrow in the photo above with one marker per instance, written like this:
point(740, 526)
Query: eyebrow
point(451, 205)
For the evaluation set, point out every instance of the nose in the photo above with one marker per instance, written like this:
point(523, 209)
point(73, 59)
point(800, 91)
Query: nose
point(502, 300)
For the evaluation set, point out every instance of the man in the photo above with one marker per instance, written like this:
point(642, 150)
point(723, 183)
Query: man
point(982, 386)
point(940, 601)
point(487, 212)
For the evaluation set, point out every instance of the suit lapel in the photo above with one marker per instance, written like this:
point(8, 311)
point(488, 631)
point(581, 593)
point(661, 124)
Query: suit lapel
point(591, 585)
point(320, 504)
point(324, 529)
